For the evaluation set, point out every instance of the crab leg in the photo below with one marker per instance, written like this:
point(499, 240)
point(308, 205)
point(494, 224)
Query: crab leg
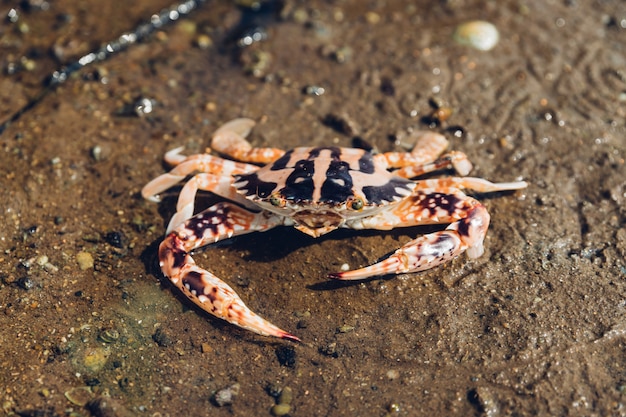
point(189, 165)
point(230, 140)
point(469, 183)
point(217, 184)
point(454, 159)
point(424, 157)
point(210, 293)
point(437, 201)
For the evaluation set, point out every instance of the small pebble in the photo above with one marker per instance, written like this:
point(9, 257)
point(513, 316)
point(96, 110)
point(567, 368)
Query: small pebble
point(286, 396)
point(330, 349)
point(442, 114)
point(203, 41)
point(372, 18)
point(478, 34)
point(116, 239)
point(256, 63)
point(273, 390)
point(187, 27)
point(109, 336)
point(51, 268)
point(227, 395)
point(25, 283)
point(343, 54)
point(27, 64)
point(139, 107)
point(143, 106)
point(314, 90)
point(393, 408)
point(41, 260)
point(386, 86)
point(12, 16)
point(85, 260)
point(393, 374)
point(303, 314)
point(96, 153)
point(108, 407)
point(345, 328)
point(300, 16)
point(79, 395)
point(95, 358)
point(280, 409)
point(286, 356)
point(162, 338)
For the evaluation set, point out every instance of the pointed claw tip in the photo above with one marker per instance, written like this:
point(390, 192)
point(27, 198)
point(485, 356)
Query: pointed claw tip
point(335, 275)
point(291, 337)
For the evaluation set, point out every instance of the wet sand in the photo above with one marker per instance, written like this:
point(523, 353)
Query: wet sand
point(533, 327)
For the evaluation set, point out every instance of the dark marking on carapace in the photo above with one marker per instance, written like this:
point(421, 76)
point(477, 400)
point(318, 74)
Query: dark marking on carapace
point(338, 185)
point(299, 184)
point(387, 192)
point(335, 152)
point(366, 163)
point(281, 163)
point(251, 184)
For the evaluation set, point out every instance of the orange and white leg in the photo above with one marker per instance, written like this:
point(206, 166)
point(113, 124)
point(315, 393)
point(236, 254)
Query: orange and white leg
point(456, 160)
point(468, 218)
point(216, 184)
point(469, 183)
point(424, 157)
point(230, 139)
point(210, 293)
point(189, 165)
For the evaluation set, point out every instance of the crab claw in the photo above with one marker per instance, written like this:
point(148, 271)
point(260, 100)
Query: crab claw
point(420, 254)
point(209, 292)
point(432, 249)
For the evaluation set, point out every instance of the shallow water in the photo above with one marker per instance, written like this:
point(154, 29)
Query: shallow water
point(533, 327)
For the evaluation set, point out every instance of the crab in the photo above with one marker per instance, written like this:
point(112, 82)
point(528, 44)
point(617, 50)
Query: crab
point(316, 190)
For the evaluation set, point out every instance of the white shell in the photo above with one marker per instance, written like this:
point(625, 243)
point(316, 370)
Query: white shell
point(478, 34)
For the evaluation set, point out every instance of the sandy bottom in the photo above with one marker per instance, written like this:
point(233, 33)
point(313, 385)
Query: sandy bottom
point(533, 327)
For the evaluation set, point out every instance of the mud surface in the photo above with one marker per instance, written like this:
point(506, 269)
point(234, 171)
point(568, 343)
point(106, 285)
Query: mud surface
point(533, 327)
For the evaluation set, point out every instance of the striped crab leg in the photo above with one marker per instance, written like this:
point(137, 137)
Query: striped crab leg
point(230, 139)
point(214, 174)
point(188, 165)
point(217, 184)
point(223, 220)
point(425, 157)
point(437, 201)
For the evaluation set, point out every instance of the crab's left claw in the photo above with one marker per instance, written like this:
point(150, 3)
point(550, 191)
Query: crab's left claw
point(434, 201)
point(202, 287)
point(432, 249)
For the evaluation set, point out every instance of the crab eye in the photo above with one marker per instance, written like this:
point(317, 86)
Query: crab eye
point(356, 204)
point(277, 201)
